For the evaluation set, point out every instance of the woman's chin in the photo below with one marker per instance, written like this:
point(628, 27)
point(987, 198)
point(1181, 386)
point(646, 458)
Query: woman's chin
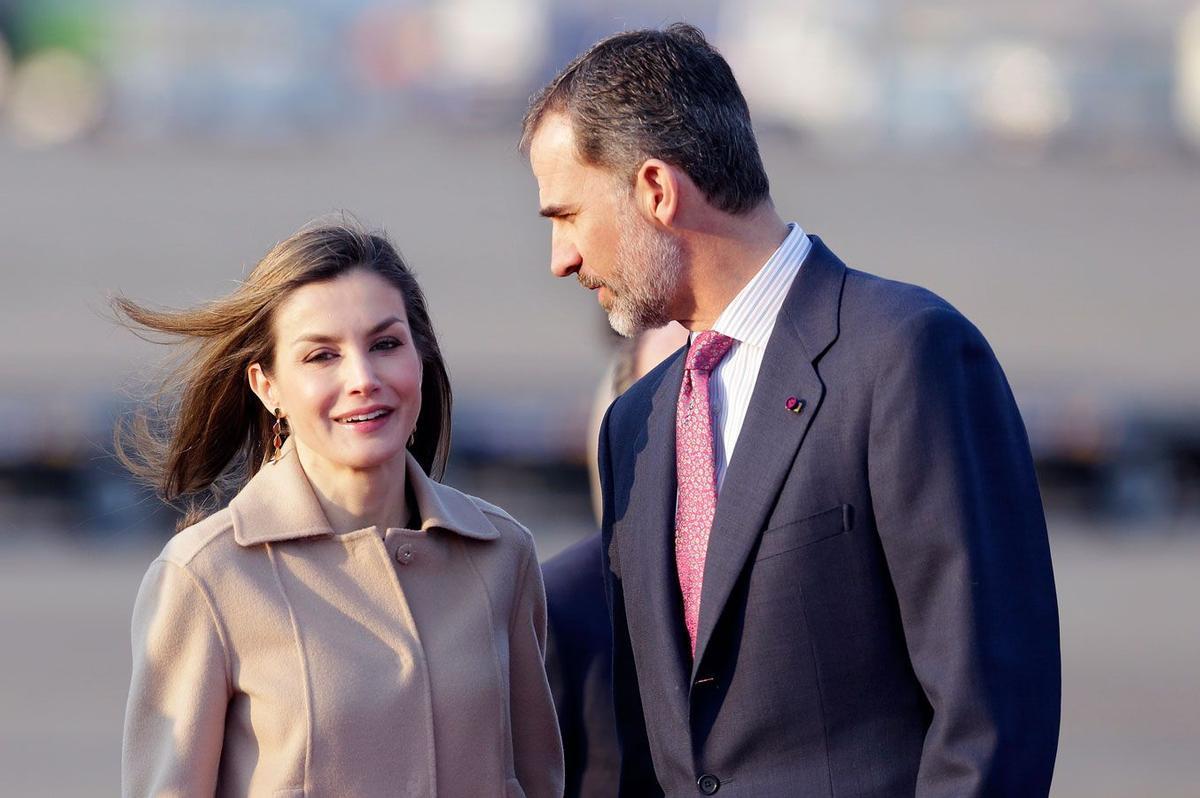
point(371, 460)
point(366, 457)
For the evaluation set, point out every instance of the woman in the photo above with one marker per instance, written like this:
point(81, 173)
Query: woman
point(346, 625)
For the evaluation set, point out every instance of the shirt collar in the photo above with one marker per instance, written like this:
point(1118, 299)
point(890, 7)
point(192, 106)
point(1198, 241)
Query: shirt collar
point(750, 317)
point(278, 503)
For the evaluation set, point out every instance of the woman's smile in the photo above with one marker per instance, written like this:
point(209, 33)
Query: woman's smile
point(366, 420)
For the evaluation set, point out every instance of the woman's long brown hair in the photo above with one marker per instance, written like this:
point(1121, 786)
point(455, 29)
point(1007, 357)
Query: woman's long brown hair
point(206, 432)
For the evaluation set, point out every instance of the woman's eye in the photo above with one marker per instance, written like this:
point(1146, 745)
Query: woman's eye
point(318, 357)
point(386, 343)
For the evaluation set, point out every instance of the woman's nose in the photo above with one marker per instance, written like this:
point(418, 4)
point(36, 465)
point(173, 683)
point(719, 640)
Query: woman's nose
point(360, 374)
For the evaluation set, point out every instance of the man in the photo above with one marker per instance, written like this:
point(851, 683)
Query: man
point(827, 560)
point(578, 629)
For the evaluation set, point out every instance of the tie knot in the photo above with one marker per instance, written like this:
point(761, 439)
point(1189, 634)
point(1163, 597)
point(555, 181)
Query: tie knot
point(706, 351)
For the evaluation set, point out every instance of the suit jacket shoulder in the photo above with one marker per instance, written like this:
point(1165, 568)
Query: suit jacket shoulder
point(885, 322)
point(884, 306)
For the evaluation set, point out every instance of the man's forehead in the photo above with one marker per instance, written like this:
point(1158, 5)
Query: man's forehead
point(554, 136)
point(552, 154)
point(562, 176)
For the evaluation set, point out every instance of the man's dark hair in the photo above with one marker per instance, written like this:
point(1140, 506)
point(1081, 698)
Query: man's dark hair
point(659, 94)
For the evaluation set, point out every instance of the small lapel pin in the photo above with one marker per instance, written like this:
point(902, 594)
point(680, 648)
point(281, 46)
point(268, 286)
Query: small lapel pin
point(794, 404)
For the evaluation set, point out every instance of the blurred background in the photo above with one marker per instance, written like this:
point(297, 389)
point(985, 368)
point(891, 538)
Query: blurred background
point(1036, 164)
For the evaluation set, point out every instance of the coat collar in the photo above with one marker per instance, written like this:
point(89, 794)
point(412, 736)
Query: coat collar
point(278, 504)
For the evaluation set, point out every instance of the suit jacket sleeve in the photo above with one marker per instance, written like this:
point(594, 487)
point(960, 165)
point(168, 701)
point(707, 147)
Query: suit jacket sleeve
point(537, 748)
point(175, 717)
point(960, 520)
point(637, 768)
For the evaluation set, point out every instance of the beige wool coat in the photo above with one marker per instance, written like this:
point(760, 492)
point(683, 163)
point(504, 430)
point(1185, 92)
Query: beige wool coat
point(272, 657)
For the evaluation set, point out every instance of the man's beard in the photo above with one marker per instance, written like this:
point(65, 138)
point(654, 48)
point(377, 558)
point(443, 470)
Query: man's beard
point(648, 263)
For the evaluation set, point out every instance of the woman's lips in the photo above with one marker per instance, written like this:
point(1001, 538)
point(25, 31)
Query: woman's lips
point(364, 423)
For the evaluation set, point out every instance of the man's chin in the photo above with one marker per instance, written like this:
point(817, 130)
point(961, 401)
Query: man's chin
point(623, 324)
point(630, 318)
point(605, 298)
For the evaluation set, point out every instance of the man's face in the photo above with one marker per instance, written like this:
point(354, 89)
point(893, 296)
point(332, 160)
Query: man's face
point(598, 235)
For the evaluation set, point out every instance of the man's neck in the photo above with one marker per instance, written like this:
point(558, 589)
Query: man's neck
point(726, 251)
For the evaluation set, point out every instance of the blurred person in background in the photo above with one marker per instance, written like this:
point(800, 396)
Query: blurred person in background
point(579, 639)
point(346, 625)
point(825, 551)
point(631, 360)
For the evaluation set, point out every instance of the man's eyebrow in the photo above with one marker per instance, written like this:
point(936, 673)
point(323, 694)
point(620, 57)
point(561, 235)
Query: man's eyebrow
point(319, 338)
point(555, 211)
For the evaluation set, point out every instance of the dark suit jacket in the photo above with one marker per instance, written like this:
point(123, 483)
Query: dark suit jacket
point(878, 615)
point(579, 664)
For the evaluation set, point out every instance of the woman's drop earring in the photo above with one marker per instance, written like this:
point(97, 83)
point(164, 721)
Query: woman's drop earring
point(277, 428)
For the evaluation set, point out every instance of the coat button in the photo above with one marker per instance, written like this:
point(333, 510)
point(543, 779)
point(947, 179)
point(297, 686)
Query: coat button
point(404, 554)
point(708, 784)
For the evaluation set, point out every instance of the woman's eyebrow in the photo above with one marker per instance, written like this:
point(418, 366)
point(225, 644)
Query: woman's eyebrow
point(321, 338)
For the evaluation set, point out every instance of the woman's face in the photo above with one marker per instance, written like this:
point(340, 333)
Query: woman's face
point(346, 375)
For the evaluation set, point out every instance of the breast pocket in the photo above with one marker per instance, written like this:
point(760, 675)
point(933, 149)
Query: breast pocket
point(810, 529)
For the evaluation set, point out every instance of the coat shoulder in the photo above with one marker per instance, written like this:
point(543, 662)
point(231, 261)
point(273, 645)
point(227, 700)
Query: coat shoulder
point(504, 561)
point(510, 529)
point(202, 539)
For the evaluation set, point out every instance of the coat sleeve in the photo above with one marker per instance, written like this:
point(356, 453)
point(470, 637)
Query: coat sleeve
point(960, 520)
point(637, 767)
point(537, 747)
point(175, 716)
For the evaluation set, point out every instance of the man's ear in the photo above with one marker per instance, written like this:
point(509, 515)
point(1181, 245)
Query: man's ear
point(264, 389)
point(656, 191)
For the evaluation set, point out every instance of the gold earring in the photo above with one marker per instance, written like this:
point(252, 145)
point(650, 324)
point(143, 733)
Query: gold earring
point(277, 428)
point(412, 438)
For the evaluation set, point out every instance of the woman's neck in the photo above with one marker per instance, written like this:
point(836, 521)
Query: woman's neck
point(358, 498)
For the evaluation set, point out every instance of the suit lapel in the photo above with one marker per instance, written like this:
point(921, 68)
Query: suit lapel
point(646, 532)
point(771, 433)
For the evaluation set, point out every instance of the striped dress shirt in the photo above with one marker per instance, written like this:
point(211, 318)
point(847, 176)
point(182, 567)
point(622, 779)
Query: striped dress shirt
point(749, 320)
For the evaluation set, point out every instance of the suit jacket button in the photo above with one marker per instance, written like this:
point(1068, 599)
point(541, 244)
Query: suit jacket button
point(404, 554)
point(708, 784)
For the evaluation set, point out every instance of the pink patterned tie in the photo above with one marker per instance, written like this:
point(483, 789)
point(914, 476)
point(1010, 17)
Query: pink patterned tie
point(695, 470)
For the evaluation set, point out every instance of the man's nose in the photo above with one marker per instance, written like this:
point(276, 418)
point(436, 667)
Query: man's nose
point(564, 259)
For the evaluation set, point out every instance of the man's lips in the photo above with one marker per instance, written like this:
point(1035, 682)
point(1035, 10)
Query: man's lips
point(590, 283)
point(605, 296)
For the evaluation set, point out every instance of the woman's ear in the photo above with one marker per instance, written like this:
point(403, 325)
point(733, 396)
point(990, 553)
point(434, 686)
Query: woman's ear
point(263, 387)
